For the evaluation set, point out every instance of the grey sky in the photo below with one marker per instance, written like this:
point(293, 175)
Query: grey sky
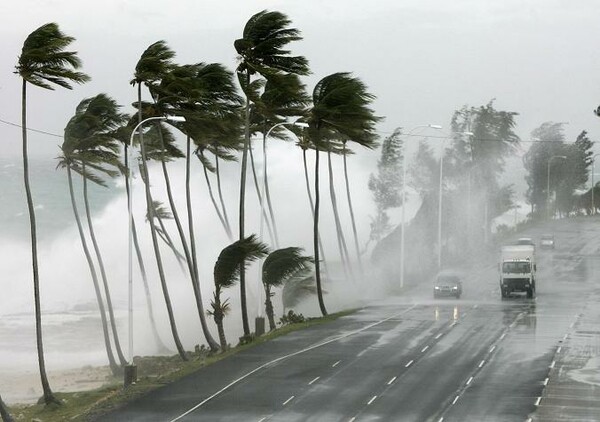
point(423, 59)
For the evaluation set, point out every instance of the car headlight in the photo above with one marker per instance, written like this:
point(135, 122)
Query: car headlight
point(455, 288)
point(436, 288)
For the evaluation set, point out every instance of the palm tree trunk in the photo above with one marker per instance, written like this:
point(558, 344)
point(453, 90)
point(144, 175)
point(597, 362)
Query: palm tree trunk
point(218, 316)
point(266, 192)
point(111, 358)
point(356, 246)
point(48, 395)
point(196, 277)
point(111, 314)
point(221, 195)
point(316, 236)
point(345, 256)
point(244, 308)
point(269, 308)
point(161, 271)
point(260, 200)
point(4, 412)
point(159, 343)
point(312, 210)
point(214, 202)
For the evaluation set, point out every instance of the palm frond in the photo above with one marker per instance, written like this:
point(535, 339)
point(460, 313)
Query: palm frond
point(227, 268)
point(283, 264)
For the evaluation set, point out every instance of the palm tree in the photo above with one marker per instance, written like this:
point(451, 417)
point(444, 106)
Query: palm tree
point(43, 62)
point(87, 142)
point(155, 62)
point(281, 266)
point(345, 153)
point(340, 111)
point(4, 412)
point(297, 289)
point(261, 50)
point(227, 269)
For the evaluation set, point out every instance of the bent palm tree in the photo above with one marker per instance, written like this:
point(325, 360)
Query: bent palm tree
point(43, 62)
point(279, 267)
point(227, 269)
point(340, 111)
point(261, 50)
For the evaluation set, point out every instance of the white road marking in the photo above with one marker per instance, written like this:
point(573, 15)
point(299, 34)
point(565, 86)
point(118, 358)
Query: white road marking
point(352, 420)
point(336, 364)
point(572, 325)
point(391, 381)
point(279, 359)
point(537, 402)
point(469, 381)
point(313, 381)
point(441, 419)
point(439, 335)
point(502, 336)
point(455, 399)
point(453, 324)
point(559, 349)
point(529, 420)
point(372, 400)
point(492, 349)
point(408, 364)
point(552, 364)
point(424, 348)
point(481, 363)
point(566, 337)
point(475, 306)
point(263, 419)
point(288, 400)
point(546, 381)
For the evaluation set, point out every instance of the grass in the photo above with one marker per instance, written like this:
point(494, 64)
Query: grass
point(153, 372)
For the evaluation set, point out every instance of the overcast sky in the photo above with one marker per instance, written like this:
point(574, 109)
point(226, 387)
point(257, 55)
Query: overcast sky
point(421, 58)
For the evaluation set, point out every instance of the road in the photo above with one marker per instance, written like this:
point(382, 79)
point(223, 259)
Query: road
point(412, 358)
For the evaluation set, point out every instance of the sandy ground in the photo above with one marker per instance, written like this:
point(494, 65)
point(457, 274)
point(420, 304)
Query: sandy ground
point(25, 387)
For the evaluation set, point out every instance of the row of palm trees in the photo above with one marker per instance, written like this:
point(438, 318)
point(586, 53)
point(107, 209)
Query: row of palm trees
point(218, 121)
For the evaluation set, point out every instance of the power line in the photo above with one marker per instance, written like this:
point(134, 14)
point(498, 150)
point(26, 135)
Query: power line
point(30, 129)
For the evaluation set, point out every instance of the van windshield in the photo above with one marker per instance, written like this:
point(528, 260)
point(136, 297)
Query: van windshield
point(516, 267)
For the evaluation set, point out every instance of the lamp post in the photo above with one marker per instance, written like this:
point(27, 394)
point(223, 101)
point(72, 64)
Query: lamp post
point(130, 373)
point(404, 200)
point(548, 184)
point(259, 323)
point(593, 204)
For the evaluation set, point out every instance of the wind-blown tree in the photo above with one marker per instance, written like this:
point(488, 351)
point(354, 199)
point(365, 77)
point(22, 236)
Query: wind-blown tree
point(579, 158)
point(340, 110)
point(154, 64)
point(44, 62)
point(206, 96)
point(484, 155)
point(4, 414)
point(283, 97)
point(281, 266)
point(262, 51)
point(90, 150)
point(386, 185)
point(226, 272)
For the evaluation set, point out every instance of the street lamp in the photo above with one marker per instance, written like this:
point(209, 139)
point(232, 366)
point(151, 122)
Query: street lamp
point(130, 376)
point(404, 199)
point(564, 157)
point(260, 321)
point(593, 204)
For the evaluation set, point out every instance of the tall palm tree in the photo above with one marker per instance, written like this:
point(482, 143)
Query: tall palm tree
point(4, 414)
point(340, 110)
point(279, 267)
point(345, 153)
point(261, 50)
point(88, 141)
point(227, 269)
point(44, 63)
point(155, 62)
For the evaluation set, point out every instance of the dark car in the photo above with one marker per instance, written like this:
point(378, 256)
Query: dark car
point(447, 285)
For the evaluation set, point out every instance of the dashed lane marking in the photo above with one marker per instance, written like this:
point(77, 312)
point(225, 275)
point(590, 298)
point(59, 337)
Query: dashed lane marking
point(492, 348)
point(392, 380)
point(559, 349)
point(336, 364)
point(313, 381)
point(546, 381)
point(408, 364)
point(469, 380)
point(438, 336)
point(424, 348)
point(372, 400)
point(537, 402)
point(455, 399)
point(482, 363)
point(288, 400)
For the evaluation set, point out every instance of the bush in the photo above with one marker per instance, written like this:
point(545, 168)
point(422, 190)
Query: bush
point(291, 318)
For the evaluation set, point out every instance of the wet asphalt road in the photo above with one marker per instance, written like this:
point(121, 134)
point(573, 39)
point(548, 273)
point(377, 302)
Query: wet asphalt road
point(413, 358)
